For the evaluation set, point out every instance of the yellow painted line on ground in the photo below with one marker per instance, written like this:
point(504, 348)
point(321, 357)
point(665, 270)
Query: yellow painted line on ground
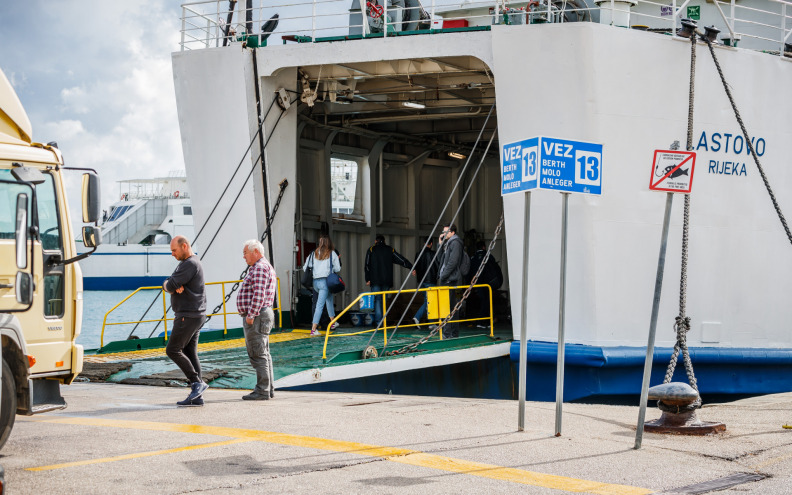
point(208, 346)
point(770, 462)
point(393, 454)
point(137, 455)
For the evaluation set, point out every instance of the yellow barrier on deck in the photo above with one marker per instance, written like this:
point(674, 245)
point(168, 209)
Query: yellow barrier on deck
point(438, 298)
point(165, 320)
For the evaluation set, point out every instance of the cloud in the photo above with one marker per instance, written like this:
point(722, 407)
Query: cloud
point(97, 79)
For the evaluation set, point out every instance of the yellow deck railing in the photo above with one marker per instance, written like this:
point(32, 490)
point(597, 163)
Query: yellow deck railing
point(165, 320)
point(385, 326)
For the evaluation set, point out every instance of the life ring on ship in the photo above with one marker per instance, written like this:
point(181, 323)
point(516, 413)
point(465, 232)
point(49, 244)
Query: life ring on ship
point(176, 194)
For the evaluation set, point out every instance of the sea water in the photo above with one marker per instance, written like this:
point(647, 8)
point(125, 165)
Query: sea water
point(122, 322)
point(97, 304)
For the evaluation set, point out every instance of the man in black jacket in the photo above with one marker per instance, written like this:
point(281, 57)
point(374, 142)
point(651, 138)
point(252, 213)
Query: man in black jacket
point(450, 273)
point(424, 266)
point(188, 299)
point(380, 259)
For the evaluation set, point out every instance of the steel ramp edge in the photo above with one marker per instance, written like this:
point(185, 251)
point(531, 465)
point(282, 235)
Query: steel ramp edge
point(394, 364)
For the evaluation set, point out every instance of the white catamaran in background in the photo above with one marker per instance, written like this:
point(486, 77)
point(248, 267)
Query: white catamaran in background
point(137, 230)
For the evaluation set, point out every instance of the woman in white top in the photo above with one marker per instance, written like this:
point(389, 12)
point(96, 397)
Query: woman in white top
point(324, 261)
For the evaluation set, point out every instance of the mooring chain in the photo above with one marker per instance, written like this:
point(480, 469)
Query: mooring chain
point(412, 347)
point(275, 207)
point(748, 140)
point(682, 322)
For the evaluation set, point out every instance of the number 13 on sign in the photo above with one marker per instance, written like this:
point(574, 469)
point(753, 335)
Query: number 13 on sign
point(587, 168)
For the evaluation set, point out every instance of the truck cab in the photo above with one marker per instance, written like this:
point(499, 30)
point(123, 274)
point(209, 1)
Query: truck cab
point(40, 281)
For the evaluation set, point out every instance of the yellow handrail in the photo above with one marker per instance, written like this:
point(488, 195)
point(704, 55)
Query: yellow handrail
point(164, 318)
point(384, 319)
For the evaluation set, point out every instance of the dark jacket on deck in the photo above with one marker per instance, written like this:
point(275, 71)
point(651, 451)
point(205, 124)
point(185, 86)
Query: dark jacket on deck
point(424, 264)
point(380, 259)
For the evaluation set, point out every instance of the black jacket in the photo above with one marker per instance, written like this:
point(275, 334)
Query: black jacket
point(191, 302)
point(422, 265)
point(490, 275)
point(380, 259)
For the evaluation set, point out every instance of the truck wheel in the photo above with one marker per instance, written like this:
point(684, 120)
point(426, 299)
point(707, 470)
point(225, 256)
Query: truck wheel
point(9, 404)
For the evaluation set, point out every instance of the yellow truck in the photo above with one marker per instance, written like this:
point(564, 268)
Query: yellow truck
point(40, 283)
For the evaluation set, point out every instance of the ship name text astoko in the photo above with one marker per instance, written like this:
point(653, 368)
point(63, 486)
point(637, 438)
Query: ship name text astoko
point(733, 147)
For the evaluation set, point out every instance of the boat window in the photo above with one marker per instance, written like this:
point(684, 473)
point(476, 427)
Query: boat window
point(343, 188)
point(188, 210)
point(118, 213)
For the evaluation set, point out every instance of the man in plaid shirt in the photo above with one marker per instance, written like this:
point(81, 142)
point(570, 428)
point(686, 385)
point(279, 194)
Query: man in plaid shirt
point(254, 302)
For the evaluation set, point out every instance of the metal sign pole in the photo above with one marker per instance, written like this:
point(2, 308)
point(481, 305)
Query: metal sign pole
point(653, 323)
point(561, 308)
point(522, 382)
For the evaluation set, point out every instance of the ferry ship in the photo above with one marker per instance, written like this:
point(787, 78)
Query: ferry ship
point(408, 94)
point(137, 230)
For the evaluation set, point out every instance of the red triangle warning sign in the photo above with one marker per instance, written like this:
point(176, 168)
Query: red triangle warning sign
point(672, 171)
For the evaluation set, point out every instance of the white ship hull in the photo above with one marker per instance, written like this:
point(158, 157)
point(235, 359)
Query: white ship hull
point(127, 267)
point(624, 89)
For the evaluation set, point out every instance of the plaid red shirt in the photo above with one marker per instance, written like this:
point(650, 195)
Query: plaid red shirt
point(257, 290)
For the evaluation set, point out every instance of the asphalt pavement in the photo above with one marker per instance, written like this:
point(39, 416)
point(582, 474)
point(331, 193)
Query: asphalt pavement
point(134, 439)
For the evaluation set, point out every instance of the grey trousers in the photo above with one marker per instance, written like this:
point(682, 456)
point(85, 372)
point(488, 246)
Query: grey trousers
point(257, 342)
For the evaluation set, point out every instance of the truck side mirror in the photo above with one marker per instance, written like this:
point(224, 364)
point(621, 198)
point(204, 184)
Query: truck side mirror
point(91, 204)
point(24, 288)
point(92, 236)
point(21, 233)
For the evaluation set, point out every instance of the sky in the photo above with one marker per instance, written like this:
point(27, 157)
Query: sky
point(95, 76)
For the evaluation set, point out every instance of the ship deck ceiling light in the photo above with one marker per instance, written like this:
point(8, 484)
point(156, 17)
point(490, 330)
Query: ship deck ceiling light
point(458, 156)
point(413, 104)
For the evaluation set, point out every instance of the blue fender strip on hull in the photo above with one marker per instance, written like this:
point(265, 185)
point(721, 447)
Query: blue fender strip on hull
point(599, 371)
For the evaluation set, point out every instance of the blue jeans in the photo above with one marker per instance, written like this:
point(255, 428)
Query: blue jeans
point(323, 299)
point(422, 310)
point(378, 302)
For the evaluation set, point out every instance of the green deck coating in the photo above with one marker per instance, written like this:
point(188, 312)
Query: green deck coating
point(294, 356)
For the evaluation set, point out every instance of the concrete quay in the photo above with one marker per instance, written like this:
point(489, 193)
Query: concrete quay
point(134, 439)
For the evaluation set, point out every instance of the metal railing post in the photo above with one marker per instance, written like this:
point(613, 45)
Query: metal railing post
point(492, 314)
point(438, 312)
point(783, 29)
point(280, 307)
point(225, 322)
point(217, 25)
point(384, 318)
point(164, 315)
point(183, 27)
point(385, 18)
point(313, 22)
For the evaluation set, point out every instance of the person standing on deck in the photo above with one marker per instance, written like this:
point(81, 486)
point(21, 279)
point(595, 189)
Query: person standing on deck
point(380, 259)
point(450, 273)
point(323, 262)
point(254, 302)
point(188, 299)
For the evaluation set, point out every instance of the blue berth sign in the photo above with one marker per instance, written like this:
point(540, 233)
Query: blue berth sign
point(520, 166)
point(550, 163)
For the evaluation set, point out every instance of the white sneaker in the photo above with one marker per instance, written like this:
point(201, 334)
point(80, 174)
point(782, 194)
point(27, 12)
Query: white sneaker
point(417, 321)
point(334, 326)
